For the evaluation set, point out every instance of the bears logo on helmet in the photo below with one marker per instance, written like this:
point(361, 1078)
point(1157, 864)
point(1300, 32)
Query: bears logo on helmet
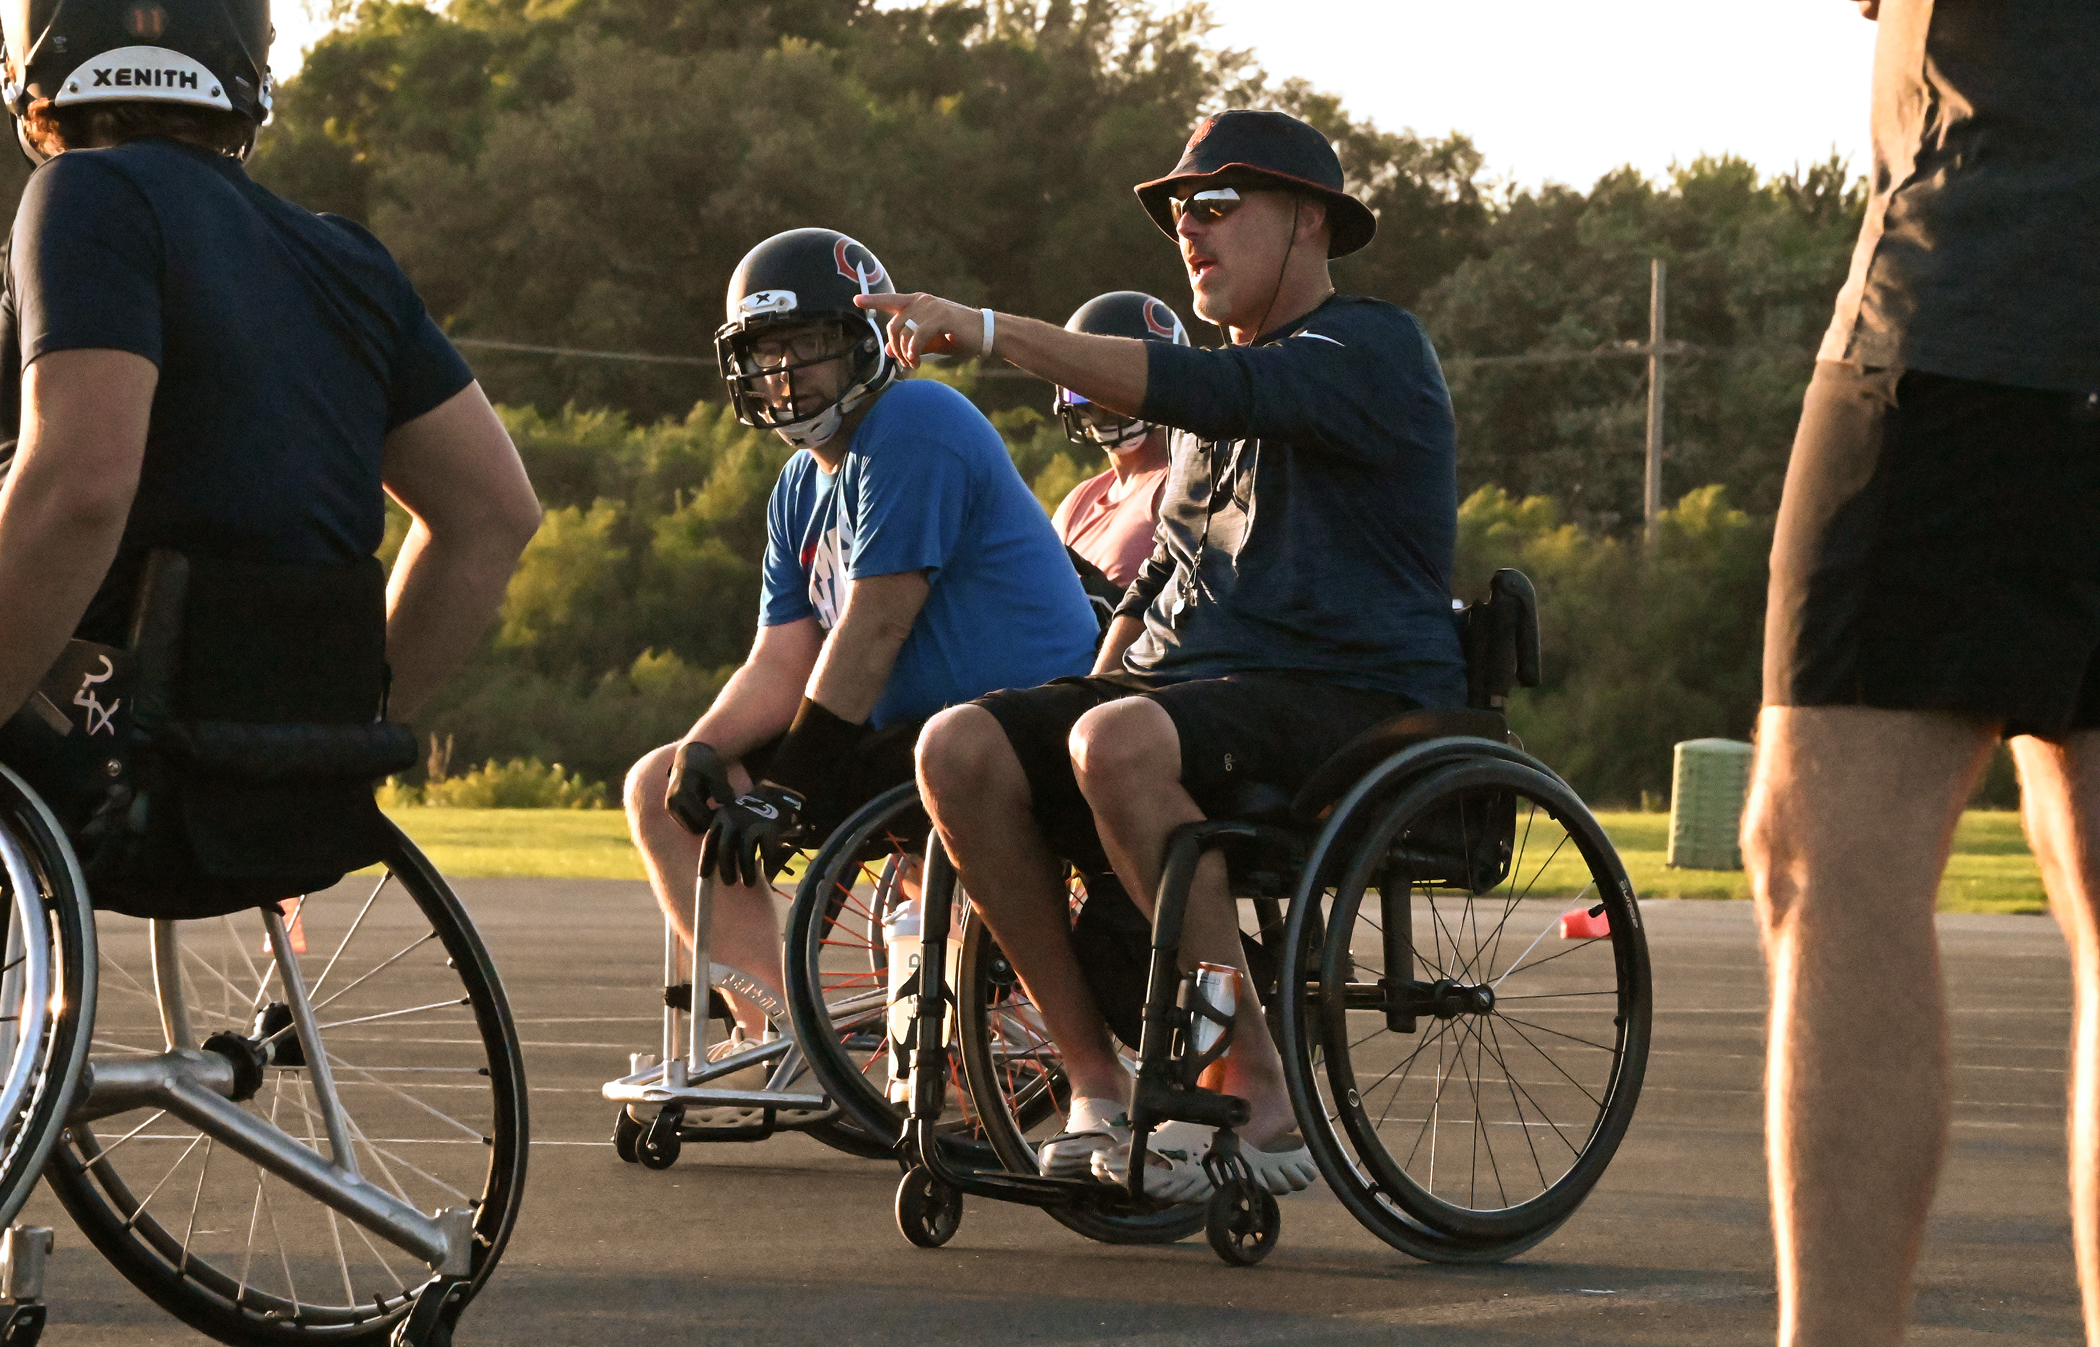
point(868, 276)
point(1119, 313)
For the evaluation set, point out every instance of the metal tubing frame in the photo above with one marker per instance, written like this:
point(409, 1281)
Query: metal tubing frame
point(197, 1087)
point(702, 977)
point(194, 1086)
point(309, 1031)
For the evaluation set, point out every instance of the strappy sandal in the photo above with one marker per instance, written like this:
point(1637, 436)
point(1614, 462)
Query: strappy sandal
point(1094, 1125)
point(1173, 1163)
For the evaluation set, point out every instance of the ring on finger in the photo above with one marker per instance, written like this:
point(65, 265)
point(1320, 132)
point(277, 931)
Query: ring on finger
point(911, 325)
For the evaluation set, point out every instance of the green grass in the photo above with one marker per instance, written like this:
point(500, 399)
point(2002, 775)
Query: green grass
point(507, 843)
point(1991, 870)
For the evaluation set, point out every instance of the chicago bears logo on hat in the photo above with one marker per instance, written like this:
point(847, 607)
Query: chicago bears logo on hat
point(859, 274)
point(1160, 320)
point(1203, 129)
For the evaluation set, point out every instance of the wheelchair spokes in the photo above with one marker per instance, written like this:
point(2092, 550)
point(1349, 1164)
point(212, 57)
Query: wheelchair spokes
point(1478, 1009)
point(314, 1153)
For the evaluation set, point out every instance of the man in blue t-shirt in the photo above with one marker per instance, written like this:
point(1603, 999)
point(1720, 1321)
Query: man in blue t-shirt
point(907, 569)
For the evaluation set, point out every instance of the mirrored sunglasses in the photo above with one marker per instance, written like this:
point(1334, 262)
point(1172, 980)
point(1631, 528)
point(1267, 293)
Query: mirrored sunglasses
point(1207, 207)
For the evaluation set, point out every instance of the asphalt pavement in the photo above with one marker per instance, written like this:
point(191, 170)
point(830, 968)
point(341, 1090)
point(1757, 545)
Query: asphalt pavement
point(784, 1241)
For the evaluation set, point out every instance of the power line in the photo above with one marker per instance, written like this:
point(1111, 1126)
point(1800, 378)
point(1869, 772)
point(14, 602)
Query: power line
point(636, 357)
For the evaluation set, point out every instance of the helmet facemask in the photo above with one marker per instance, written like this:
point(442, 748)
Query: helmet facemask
point(755, 384)
point(1091, 424)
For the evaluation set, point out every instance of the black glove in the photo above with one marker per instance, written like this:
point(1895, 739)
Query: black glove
point(698, 781)
point(750, 838)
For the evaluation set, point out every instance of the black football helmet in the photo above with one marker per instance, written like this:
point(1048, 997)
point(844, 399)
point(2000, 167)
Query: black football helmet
point(1119, 313)
point(802, 278)
point(200, 53)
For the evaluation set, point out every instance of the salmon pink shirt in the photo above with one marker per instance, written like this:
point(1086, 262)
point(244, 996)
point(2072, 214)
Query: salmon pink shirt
point(1114, 534)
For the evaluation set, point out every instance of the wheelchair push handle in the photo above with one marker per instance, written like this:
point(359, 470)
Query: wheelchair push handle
point(1501, 640)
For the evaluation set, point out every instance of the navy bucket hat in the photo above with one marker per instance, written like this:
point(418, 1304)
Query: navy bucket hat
point(1240, 148)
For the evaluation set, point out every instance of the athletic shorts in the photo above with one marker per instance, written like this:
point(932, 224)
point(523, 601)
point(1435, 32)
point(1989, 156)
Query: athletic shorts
point(1269, 728)
point(884, 760)
point(1938, 549)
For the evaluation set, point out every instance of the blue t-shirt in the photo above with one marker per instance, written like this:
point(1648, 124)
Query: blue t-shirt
point(288, 343)
point(927, 485)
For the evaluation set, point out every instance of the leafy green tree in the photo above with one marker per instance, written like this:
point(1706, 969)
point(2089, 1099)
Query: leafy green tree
point(1753, 265)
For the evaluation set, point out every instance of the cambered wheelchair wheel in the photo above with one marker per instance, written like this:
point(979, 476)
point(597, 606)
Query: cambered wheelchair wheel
point(838, 962)
point(426, 1068)
point(47, 986)
point(1465, 1062)
point(1017, 1086)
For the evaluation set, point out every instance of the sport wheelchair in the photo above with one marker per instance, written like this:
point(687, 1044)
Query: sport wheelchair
point(310, 1125)
point(681, 1091)
point(1459, 988)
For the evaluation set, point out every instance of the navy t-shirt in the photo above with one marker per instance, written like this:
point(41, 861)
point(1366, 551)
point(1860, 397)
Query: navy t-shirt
point(288, 343)
point(927, 485)
point(1311, 509)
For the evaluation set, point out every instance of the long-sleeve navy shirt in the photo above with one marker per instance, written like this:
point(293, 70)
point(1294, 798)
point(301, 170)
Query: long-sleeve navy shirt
point(1311, 509)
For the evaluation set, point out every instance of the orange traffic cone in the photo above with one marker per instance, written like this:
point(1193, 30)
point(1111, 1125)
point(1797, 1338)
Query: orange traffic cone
point(1585, 923)
point(294, 932)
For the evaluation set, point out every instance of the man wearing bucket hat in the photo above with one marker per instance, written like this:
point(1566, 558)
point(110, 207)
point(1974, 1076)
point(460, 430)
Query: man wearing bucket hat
point(1299, 593)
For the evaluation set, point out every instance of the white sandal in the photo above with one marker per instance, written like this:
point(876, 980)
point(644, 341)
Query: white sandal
point(1282, 1164)
point(1094, 1125)
point(1173, 1163)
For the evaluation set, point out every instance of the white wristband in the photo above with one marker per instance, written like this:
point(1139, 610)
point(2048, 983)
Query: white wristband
point(984, 351)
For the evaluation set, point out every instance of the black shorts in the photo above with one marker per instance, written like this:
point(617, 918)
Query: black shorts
point(1271, 728)
point(883, 760)
point(1937, 549)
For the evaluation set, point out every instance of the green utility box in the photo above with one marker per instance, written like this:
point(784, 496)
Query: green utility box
point(1707, 789)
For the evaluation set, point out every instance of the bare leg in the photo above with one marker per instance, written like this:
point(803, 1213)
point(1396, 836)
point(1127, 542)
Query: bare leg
point(746, 934)
point(2060, 799)
point(1846, 834)
point(1127, 756)
point(975, 790)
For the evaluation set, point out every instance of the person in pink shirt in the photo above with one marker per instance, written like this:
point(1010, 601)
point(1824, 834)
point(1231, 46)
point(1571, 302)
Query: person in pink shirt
point(1107, 520)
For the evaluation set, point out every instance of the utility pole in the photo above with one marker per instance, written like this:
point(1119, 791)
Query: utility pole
point(1652, 485)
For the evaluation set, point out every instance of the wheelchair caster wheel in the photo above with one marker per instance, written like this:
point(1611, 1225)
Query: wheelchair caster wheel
point(1243, 1223)
point(627, 1137)
point(658, 1147)
point(928, 1211)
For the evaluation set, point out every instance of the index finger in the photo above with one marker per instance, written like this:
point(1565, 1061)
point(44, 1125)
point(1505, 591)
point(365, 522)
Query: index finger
point(886, 303)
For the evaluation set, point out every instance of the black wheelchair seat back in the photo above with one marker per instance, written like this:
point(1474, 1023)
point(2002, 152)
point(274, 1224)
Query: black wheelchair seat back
point(226, 758)
point(1468, 843)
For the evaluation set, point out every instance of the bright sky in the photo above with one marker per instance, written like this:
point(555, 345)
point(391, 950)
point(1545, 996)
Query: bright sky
point(1549, 89)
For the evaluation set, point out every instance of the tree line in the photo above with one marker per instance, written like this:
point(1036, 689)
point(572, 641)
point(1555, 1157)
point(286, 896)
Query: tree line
point(586, 176)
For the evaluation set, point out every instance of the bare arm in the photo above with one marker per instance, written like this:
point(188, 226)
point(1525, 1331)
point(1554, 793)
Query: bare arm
point(457, 474)
point(1121, 635)
point(760, 698)
point(857, 660)
point(1107, 370)
point(62, 512)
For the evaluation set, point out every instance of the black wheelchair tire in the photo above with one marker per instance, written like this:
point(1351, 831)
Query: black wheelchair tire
point(1350, 1156)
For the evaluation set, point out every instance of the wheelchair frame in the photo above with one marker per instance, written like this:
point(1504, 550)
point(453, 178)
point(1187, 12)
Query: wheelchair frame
point(677, 1077)
point(1501, 642)
point(203, 1086)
